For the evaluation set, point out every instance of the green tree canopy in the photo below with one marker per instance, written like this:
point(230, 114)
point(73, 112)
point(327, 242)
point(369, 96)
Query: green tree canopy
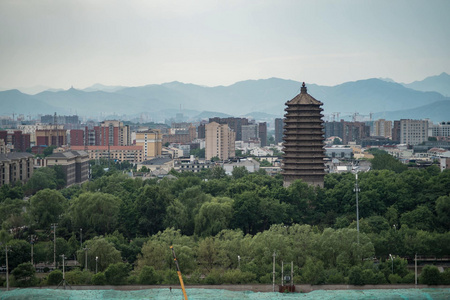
point(98, 211)
point(46, 207)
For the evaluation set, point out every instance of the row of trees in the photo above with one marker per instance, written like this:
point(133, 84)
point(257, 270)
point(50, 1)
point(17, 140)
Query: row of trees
point(331, 256)
point(403, 212)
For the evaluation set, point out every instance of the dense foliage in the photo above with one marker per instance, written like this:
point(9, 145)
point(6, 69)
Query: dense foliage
point(227, 228)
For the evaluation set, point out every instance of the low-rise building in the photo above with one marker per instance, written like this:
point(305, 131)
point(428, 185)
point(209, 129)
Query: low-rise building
point(15, 167)
point(250, 165)
point(132, 154)
point(339, 152)
point(75, 165)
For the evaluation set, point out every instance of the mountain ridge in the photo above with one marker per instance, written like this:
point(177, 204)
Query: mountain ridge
point(249, 97)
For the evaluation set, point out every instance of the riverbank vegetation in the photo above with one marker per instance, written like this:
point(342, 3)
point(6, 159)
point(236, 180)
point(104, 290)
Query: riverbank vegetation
point(226, 229)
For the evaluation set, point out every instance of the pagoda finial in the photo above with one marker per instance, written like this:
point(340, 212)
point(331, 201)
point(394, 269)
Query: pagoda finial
point(303, 89)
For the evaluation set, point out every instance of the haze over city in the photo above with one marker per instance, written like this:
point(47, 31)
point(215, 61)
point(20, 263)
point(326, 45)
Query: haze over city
point(60, 44)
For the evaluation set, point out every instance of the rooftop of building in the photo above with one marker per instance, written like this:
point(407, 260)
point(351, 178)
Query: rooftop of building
point(14, 155)
point(105, 148)
point(157, 161)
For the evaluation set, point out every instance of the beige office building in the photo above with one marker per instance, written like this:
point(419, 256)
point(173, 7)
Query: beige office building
point(219, 141)
point(150, 141)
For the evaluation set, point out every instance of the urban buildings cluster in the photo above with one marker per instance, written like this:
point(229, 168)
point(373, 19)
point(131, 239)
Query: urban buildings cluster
point(162, 147)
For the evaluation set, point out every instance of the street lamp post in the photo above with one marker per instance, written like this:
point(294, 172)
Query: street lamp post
point(392, 263)
point(81, 237)
point(64, 270)
point(54, 244)
point(96, 264)
point(239, 262)
point(85, 258)
point(32, 237)
point(356, 190)
point(274, 270)
point(7, 268)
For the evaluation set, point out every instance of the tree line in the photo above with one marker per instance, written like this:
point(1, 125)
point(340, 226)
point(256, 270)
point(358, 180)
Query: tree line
point(212, 219)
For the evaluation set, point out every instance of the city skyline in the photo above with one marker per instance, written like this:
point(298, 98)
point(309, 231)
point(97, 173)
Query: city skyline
point(81, 43)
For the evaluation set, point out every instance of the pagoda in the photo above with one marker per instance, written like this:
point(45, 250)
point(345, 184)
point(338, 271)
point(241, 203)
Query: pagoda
point(303, 140)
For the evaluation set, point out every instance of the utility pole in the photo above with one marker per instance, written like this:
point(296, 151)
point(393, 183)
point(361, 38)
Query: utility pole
point(7, 268)
point(415, 269)
point(54, 244)
point(282, 273)
point(274, 255)
point(356, 190)
point(81, 237)
point(85, 258)
point(32, 237)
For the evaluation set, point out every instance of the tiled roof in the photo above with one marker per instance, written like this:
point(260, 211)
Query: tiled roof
point(304, 98)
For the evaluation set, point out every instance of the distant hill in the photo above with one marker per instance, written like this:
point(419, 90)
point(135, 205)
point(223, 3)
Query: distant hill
point(262, 99)
point(13, 101)
point(437, 112)
point(439, 83)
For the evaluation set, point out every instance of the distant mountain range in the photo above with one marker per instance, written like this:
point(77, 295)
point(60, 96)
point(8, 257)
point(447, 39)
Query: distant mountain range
point(259, 99)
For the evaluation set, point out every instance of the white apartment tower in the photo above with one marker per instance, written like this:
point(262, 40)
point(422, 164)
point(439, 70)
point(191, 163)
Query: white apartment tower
point(219, 141)
point(413, 132)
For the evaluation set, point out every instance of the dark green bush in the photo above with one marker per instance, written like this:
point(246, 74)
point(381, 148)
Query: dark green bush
point(148, 275)
point(99, 279)
point(55, 277)
point(430, 275)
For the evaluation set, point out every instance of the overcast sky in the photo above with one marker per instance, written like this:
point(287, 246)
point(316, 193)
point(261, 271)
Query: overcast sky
point(79, 43)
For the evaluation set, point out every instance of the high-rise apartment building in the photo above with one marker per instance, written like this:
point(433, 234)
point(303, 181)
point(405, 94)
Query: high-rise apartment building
point(278, 130)
point(441, 130)
point(396, 132)
point(234, 124)
point(18, 140)
point(53, 135)
point(219, 141)
point(347, 131)
point(249, 132)
point(413, 132)
point(113, 133)
point(382, 127)
point(262, 133)
point(150, 141)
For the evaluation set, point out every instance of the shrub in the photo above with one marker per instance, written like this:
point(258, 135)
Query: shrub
point(169, 277)
point(55, 277)
point(195, 278)
point(78, 277)
point(379, 278)
point(430, 275)
point(394, 278)
point(99, 279)
point(235, 276)
point(117, 274)
point(214, 277)
point(24, 275)
point(409, 278)
point(355, 276)
point(334, 277)
point(148, 276)
point(445, 277)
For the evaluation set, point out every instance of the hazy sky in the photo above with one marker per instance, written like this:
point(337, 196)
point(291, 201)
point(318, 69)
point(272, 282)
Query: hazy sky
point(63, 43)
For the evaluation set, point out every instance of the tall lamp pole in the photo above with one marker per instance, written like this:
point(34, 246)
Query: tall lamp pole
point(85, 258)
point(7, 268)
point(274, 255)
point(96, 264)
point(81, 237)
point(356, 190)
point(54, 244)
